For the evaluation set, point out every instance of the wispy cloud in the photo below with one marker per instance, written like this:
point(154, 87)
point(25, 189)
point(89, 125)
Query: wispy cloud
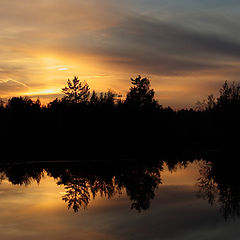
point(12, 87)
point(197, 41)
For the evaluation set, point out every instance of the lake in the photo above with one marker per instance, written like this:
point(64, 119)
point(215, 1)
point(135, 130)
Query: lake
point(157, 200)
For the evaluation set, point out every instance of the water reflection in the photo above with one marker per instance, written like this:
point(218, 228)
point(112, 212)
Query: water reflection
point(139, 181)
point(218, 182)
point(83, 182)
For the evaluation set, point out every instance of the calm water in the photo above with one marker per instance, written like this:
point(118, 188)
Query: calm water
point(146, 202)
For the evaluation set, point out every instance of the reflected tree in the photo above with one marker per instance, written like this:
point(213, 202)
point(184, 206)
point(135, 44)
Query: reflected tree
point(142, 190)
point(22, 174)
point(207, 187)
point(106, 187)
point(219, 184)
point(140, 184)
point(77, 194)
point(82, 184)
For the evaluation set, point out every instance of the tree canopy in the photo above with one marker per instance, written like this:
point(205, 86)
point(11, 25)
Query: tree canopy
point(76, 91)
point(229, 98)
point(140, 94)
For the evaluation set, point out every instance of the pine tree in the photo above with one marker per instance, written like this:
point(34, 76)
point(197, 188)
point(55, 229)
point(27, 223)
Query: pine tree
point(140, 94)
point(76, 91)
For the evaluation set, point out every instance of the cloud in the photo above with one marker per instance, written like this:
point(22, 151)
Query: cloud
point(57, 16)
point(12, 86)
point(123, 40)
point(160, 47)
point(173, 40)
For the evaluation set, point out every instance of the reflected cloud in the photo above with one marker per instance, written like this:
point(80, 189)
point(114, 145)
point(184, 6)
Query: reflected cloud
point(79, 185)
point(38, 211)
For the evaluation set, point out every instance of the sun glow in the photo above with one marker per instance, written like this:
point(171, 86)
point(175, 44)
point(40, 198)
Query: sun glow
point(63, 69)
point(43, 92)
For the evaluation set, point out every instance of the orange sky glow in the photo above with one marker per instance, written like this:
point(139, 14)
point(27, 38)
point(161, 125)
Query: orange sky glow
point(187, 56)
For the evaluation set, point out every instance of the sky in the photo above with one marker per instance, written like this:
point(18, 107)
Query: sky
point(186, 48)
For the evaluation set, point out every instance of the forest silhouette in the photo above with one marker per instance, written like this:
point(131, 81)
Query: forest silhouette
point(86, 125)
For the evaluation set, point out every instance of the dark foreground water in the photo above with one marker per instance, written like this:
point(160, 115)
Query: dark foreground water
point(136, 202)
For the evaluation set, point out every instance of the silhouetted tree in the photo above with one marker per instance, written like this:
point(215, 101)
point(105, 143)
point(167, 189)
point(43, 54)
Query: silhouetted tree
point(104, 99)
point(76, 91)
point(1, 104)
point(94, 98)
point(22, 104)
point(140, 94)
point(107, 98)
point(229, 95)
point(208, 104)
point(229, 98)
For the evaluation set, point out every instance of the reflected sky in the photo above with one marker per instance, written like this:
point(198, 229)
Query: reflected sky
point(36, 211)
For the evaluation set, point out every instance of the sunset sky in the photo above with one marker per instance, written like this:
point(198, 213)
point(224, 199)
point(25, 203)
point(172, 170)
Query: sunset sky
point(187, 48)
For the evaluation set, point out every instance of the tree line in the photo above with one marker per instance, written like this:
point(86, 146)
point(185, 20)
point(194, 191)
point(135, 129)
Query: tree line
point(88, 125)
point(140, 96)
